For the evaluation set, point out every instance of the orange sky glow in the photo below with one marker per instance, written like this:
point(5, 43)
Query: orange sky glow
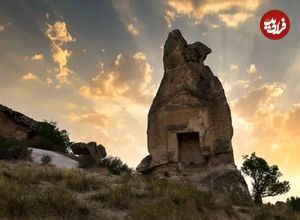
point(95, 70)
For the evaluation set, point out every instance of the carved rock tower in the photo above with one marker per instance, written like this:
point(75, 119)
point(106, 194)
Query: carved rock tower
point(189, 122)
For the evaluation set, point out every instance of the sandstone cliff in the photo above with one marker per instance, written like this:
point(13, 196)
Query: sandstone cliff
point(189, 123)
point(16, 125)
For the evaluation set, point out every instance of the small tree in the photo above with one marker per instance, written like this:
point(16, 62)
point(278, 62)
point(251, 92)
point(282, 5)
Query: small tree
point(52, 138)
point(264, 178)
point(293, 204)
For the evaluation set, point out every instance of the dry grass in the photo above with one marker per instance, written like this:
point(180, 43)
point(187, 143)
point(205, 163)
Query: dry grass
point(270, 213)
point(24, 194)
point(22, 200)
point(29, 191)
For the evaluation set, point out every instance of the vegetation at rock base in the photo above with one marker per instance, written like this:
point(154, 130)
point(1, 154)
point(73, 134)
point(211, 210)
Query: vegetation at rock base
point(265, 180)
point(12, 149)
point(293, 204)
point(50, 137)
point(114, 164)
point(29, 191)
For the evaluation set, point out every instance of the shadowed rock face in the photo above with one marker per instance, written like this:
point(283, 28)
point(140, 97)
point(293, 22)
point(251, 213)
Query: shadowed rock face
point(96, 151)
point(189, 122)
point(16, 125)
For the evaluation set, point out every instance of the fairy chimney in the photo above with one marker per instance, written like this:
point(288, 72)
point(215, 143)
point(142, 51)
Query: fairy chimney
point(189, 122)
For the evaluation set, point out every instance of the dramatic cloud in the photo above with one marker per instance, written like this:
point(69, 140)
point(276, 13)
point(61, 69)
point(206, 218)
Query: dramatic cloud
point(49, 81)
point(234, 67)
point(215, 25)
point(120, 127)
point(133, 29)
point(258, 101)
point(262, 125)
point(89, 116)
point(234, 20)
point(169, 17)
point(38, 56)
point(30, 77)
point(265, 125)
point(197, 10)
point(4, 27)
point(35, 57)
point(61, 56)
point(127, 17)
point(128, 77)
point(252, 69)
point(58, 35)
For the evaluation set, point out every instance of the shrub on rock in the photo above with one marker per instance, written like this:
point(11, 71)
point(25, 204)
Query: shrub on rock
point(12, 149)
point(46, 159)
point(115, 165)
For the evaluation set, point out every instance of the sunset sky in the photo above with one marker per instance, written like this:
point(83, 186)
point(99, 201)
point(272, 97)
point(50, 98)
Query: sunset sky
point(94, 67)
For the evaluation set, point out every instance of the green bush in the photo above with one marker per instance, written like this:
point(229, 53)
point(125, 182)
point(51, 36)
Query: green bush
point(12, 149)
point(114, 165)
point(46, 159)
point(293, 204)
point(50, 137)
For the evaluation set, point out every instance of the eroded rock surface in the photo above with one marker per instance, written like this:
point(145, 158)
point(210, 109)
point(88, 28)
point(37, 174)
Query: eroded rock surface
point(16, 125)
point(96, 151)
point(189, 122)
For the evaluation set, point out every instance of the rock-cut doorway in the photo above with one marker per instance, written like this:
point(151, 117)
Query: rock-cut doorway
point(189, 148)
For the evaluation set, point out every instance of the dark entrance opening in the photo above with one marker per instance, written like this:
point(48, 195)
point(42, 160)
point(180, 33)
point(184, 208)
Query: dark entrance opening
point(189, 148)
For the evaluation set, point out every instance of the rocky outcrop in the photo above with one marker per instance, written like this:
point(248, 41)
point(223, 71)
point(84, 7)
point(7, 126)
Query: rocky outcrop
point(189, 122)
point(143, 167)
point(98, 152)
point(228, 181)
point(16, 125)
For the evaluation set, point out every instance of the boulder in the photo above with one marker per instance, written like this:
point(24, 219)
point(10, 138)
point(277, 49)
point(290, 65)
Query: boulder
point(227, 182)
point(144, 164)
point(98, 152)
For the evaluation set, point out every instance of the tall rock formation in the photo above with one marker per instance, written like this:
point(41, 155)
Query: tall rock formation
point(189, 122)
